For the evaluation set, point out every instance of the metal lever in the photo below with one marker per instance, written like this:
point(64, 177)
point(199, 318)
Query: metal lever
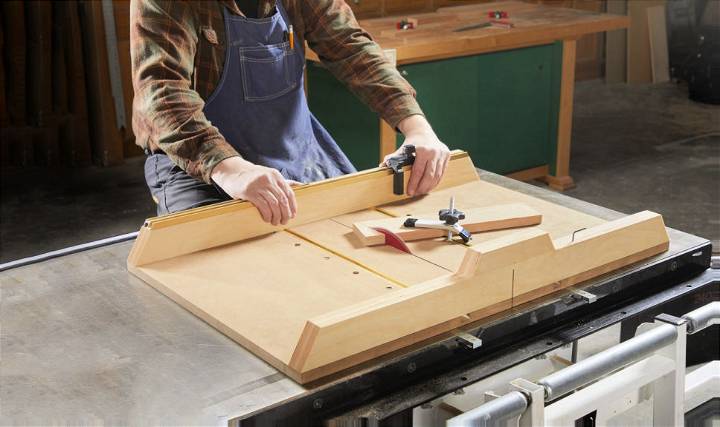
point(439, 225)
point(468, 340)
point(586, 296)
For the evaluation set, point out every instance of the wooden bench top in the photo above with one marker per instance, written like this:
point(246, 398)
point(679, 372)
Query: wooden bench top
point(435, 37)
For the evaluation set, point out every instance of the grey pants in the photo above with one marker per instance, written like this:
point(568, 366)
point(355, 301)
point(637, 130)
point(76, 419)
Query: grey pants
point(173, 190)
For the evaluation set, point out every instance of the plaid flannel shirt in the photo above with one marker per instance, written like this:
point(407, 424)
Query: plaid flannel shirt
point(178, 53)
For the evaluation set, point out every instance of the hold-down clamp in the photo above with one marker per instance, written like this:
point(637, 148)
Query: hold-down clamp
point(448, 220)
point(396, 163)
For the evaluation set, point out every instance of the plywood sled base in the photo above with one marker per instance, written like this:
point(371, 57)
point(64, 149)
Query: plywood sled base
point(217, 323)
point(313, 300)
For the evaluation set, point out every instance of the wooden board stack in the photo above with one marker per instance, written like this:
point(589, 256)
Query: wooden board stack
point(311, 299)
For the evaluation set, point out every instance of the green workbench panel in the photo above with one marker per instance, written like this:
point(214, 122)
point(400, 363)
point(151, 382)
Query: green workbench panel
point(500, 107)
point(354, 126)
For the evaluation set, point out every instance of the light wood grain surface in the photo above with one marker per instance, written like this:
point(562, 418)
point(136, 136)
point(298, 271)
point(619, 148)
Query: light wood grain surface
point(533, 25)
point(639, 63)
point(260, 292)
point(311, 300)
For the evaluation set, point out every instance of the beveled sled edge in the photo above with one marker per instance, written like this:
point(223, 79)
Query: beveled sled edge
point(634, 238)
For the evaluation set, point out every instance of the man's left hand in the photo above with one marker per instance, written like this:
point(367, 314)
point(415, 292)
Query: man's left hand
point(431, 155)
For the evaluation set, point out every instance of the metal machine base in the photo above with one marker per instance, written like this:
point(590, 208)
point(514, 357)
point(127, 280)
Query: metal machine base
point(385, 395)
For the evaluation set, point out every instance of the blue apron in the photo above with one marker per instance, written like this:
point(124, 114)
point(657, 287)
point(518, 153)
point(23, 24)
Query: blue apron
point(259, 105)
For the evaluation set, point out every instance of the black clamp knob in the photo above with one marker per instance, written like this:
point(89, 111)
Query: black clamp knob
point(451, 217)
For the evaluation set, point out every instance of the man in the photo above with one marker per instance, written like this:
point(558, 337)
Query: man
point(220, 108)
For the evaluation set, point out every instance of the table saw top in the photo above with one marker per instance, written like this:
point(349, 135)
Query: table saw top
point(84, 339)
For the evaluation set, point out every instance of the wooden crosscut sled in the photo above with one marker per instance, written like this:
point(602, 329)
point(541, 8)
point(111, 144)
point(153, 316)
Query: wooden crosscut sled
point(311, 299)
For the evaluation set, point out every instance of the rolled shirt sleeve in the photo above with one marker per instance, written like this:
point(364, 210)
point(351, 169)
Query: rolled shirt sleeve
point(352, 56)
point(167, 112)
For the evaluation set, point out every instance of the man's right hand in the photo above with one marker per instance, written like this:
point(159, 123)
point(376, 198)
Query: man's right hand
point(264, 187)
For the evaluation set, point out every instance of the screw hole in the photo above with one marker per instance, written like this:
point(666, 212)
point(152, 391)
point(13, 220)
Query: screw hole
point(356, 272)
point(463, 378)
point(388, 287)
point(297, 244)
point(549, 343)
point(326, 257)
point(689, 286)
point(408, 214)
point(623, 312)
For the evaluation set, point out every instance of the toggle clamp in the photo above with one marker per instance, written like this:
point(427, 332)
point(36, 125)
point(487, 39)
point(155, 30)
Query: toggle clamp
point(449, 219)
point(396, 163)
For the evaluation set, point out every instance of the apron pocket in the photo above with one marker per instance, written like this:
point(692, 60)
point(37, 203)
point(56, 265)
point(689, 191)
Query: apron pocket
point(266, 71)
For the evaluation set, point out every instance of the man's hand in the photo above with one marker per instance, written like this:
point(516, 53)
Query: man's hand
point(263, 187)
point(431, 155)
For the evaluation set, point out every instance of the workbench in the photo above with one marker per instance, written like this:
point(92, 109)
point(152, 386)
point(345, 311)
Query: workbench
point(503, 95)
point(85, 341)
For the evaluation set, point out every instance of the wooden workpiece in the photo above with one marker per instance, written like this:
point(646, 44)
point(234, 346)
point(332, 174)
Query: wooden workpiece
point(476, 220)
point(311, 299)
